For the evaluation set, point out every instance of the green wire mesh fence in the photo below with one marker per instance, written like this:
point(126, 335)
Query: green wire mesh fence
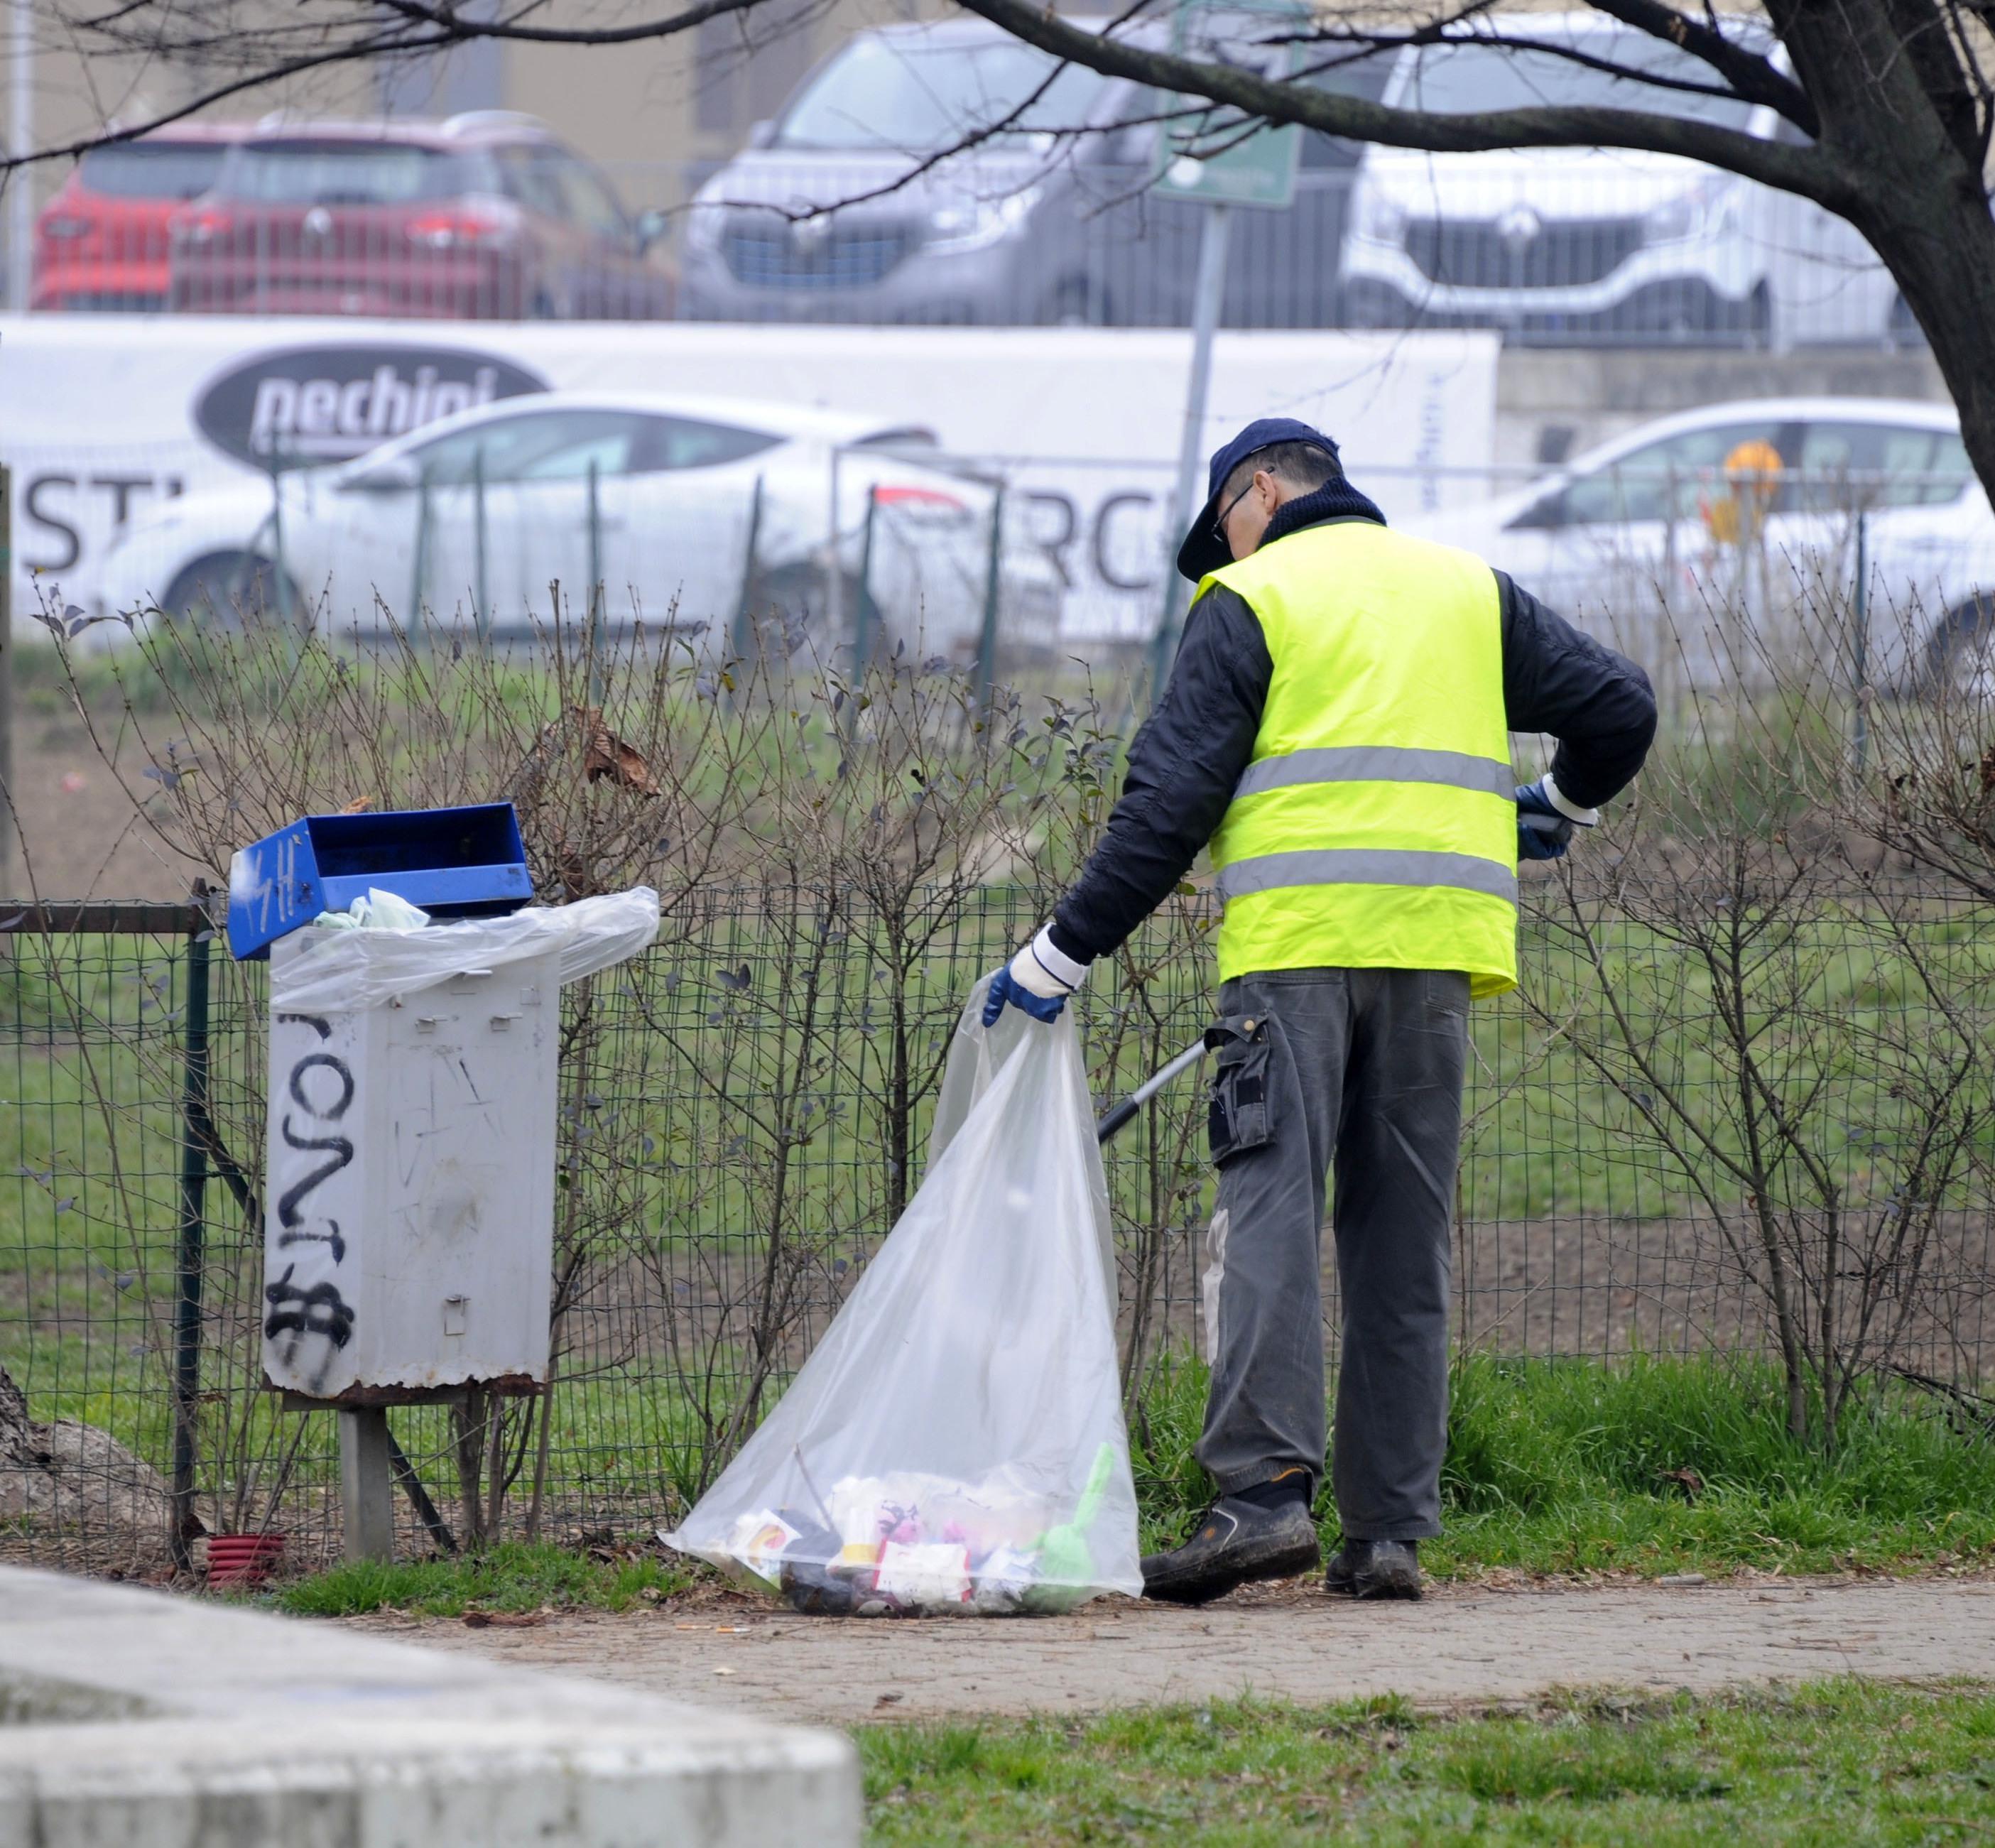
point(1758, 1130)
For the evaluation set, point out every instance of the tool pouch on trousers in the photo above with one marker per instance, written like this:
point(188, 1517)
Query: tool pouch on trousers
point(1239, 1118)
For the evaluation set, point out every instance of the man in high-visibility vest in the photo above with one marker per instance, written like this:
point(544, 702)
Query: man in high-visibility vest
point(1337, 728)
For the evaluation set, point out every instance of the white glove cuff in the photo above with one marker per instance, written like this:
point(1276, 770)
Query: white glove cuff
point(1040, 969)
point(1579, 817)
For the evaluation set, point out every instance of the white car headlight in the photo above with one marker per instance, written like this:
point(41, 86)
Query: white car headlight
point(1379, 219)
point(975, 224)
point(1687, 213)
point(704, 218)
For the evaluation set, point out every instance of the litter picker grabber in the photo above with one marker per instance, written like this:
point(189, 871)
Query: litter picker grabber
point(1112, 1120)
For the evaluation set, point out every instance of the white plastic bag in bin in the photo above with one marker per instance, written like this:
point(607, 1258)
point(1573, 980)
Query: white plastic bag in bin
point(361, 969)
point(955, 1442)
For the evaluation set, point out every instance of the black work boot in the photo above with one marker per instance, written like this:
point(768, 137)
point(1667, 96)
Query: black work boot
point(1376, 1569)
point(1237, 1542)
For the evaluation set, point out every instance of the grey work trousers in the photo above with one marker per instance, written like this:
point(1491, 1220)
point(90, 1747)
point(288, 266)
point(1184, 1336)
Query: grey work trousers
point(1359, 1069)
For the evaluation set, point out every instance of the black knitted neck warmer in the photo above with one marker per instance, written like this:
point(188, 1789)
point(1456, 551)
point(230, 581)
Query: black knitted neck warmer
point(1335, 499)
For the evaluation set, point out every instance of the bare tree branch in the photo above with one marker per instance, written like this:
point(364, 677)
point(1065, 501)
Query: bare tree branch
point(417, 30)
point(1802, 170)
point(1751, 77)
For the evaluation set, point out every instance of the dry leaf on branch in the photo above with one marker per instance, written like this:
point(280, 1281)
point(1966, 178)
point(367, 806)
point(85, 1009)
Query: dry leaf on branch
point(607, 755)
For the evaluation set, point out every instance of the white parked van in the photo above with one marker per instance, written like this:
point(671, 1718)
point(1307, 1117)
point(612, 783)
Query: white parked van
point(1566, 244)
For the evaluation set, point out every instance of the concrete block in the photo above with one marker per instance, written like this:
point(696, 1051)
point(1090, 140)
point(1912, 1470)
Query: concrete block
point(133, 1719)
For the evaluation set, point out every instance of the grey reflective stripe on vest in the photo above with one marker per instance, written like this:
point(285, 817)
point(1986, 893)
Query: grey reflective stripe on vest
point(1380, 764)
point(1367, 866)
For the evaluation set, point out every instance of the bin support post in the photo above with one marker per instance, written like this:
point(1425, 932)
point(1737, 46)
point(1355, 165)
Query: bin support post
point(190, 1255)
point(367, 1483)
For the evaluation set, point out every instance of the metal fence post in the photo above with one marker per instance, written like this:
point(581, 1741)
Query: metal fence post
point(1208, 297)
point(737, 643)
point(7, 823)
point(189, 1254)
point(1860, 649)
point(595, 590)
point(834, 566)
point(421, 571)
point(280, 590)
point(994, 576)
point(862, 615)
point(480, 616)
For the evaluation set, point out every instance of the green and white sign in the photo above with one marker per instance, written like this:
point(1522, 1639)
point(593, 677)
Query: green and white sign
point(1218, 155)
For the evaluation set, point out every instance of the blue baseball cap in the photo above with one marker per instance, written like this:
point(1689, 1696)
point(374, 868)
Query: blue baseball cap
point(1203, 550)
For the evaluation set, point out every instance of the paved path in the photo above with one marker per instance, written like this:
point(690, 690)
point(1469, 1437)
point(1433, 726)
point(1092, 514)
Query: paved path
point(1468, 1645)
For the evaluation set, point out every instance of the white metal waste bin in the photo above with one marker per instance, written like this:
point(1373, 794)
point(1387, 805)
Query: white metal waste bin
point(409, 1213)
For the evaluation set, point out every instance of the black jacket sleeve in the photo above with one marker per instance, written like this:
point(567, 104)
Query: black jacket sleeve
point(1184, 765)
point(1598, 704)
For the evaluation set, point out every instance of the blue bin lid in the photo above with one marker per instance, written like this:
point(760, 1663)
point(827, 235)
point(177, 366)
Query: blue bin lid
point(456, 862)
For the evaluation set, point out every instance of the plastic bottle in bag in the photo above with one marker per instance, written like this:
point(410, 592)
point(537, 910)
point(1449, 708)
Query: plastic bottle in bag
point(955, 1442)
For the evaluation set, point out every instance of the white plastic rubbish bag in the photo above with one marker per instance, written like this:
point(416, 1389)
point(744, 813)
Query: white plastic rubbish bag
point(955, 1442)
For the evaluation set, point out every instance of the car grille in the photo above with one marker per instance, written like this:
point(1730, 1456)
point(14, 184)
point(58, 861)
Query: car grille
point(1499, 253)
point(804, 257)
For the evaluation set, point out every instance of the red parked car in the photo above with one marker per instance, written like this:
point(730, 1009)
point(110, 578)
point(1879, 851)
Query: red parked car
point(484, 216)
point(101, 242)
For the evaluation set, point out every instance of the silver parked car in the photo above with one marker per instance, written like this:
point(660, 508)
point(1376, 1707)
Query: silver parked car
point(1667, 539)
point(661, 500)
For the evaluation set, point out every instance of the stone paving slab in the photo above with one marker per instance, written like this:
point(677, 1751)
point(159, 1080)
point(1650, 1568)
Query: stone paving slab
point(148, 1721)
point(1465, 1645)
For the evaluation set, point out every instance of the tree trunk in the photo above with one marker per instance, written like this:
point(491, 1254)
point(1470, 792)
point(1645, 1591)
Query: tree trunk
point(1912, 183)
point(1942, 250)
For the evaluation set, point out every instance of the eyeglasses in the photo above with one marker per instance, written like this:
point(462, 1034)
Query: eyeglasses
point(1226, 512)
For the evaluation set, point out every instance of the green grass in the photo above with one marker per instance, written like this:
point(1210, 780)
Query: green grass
point(1829, 1764)
point(511, 1577)
point(1572, 1467)
point(1553, 1468)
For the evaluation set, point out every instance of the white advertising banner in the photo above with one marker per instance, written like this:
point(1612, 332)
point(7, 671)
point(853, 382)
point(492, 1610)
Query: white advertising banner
point(102, 415)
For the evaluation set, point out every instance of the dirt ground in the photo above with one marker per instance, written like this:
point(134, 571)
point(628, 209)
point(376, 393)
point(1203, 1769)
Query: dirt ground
point(1467, 1645)
point(84, 839)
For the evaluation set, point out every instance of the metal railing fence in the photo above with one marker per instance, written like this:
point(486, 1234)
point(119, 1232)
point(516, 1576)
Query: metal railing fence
point(743, 1114)
point(1098, 520)
point(1710, 574)
point(1588, 255)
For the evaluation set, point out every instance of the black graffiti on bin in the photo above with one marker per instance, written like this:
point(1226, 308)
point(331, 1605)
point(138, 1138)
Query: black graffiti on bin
point(314, 1309)
point(336, 1321)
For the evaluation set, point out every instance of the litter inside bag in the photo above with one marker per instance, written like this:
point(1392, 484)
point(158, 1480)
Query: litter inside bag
point(374, 910)
point(954, 1444)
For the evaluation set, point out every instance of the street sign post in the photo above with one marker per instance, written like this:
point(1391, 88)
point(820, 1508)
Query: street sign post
point(1217, 159)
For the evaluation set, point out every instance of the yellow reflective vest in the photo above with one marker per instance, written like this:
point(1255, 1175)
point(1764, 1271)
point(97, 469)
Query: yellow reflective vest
point(1375, 827)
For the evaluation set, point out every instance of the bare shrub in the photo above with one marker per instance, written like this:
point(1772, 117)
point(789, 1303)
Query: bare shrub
point(1797, 1036)
point(867, 811)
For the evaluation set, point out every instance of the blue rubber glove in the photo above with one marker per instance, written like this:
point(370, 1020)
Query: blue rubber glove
point(1546, 820)
point(1036, 981)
